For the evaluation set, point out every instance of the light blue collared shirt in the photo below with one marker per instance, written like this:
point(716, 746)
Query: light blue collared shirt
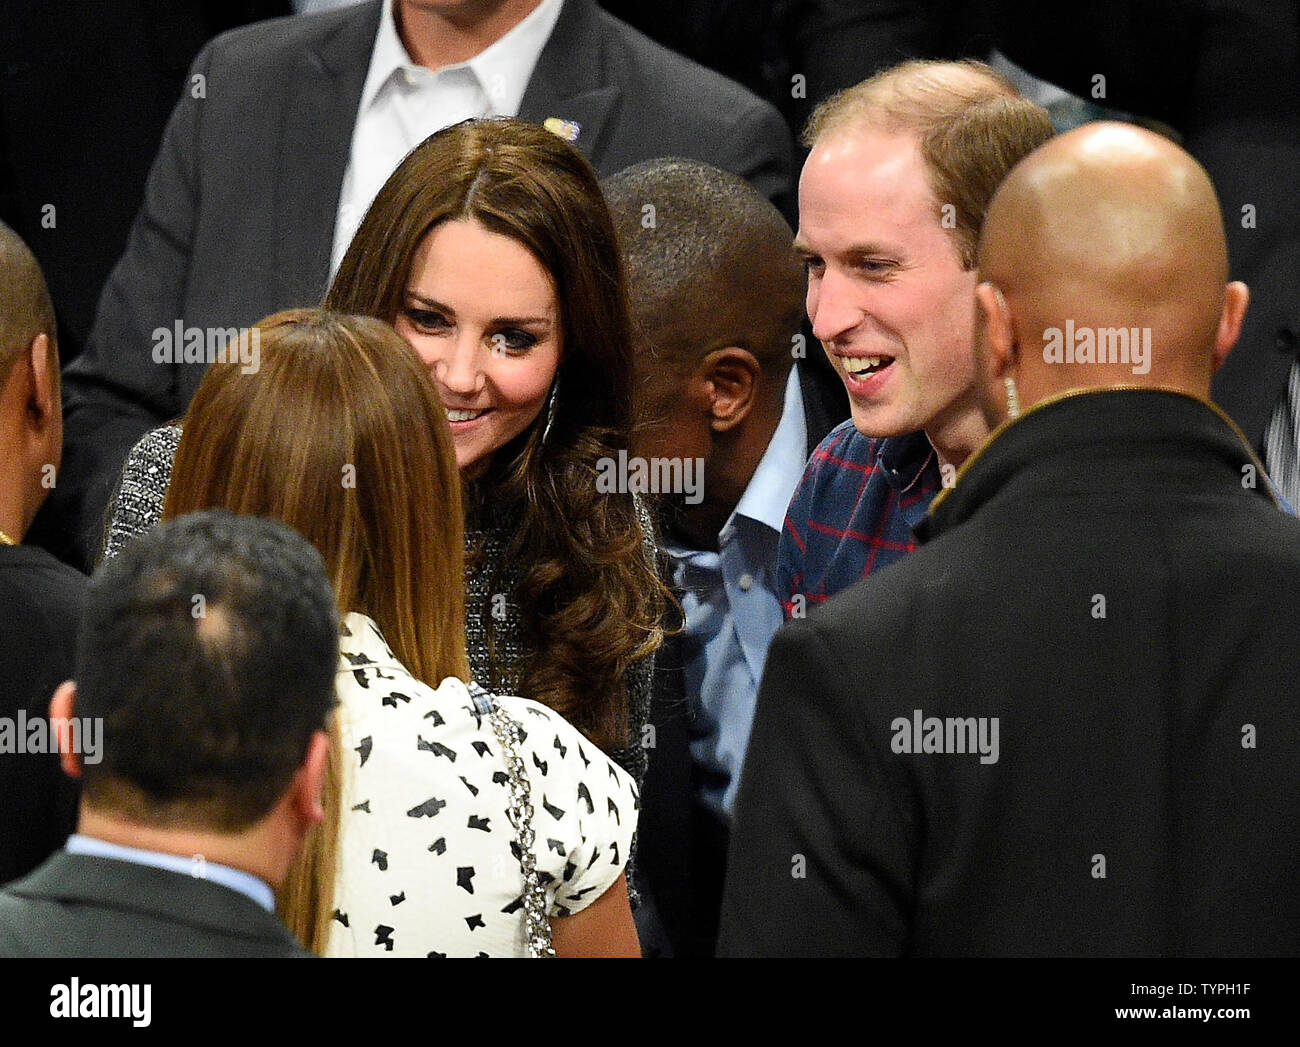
point(236, 879)
point(733, 609)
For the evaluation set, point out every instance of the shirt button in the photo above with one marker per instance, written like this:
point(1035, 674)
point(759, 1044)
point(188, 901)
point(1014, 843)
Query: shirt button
point(746, 582)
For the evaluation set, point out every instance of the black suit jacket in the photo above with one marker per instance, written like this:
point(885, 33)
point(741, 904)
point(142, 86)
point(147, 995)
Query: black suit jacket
point(78, 905)
point(681, 849)
point(40, 606)
point(239, 211)
point(1106, 583)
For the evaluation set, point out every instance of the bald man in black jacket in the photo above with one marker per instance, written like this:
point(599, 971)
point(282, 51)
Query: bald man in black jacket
point(1067, 724)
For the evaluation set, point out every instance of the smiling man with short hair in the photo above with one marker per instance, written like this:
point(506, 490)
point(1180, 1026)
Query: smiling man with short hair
point(891, 201)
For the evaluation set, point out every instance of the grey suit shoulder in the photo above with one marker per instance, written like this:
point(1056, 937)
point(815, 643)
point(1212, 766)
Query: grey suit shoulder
point(78, 905)
point(646, 101)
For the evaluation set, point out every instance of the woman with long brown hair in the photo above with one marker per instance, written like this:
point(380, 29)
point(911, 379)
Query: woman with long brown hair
point(340, 433)
point(491, 250)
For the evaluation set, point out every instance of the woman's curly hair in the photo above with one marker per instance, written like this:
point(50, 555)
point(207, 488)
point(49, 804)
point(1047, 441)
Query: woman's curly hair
point(592, 602)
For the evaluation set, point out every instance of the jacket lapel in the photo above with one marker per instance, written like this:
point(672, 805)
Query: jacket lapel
point(320, 111)
point(568, 83)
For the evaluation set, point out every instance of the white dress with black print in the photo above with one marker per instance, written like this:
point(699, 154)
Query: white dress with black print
point(428, 863)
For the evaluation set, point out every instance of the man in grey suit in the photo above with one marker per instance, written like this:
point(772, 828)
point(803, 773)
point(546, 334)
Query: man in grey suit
point(204, 679)
point(271, 155)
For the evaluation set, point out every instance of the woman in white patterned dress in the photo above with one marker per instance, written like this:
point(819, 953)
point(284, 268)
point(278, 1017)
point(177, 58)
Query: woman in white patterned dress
point(426, 849)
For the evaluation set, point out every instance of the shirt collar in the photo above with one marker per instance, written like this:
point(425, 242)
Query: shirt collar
point(903, 459)
point(387, 58)
point(506, 64)
point(770, 489)
point(236, 879)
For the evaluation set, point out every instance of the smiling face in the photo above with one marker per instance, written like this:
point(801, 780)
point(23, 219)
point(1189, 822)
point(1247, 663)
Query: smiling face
point(887, 296)
point(483, 315)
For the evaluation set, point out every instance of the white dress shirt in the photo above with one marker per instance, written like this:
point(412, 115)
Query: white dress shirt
point(402, 103)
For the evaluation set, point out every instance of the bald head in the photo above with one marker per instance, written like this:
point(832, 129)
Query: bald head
point(31, 421)
point(1106, 249)
point(25, 307)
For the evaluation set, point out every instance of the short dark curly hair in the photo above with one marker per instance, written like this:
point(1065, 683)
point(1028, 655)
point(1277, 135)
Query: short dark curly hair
point(209, 648)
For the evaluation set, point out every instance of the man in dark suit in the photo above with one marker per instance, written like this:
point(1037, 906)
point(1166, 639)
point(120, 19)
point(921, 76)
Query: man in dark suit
point(240, 211)
point(1066, 725)
point(717, 300)
point(204, 680)
point(40, 598)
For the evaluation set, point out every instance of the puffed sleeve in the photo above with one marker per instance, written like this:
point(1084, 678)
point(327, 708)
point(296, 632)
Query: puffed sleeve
point(584, 808)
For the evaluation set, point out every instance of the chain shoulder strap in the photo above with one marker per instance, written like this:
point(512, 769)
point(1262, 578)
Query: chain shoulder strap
point(537, 924)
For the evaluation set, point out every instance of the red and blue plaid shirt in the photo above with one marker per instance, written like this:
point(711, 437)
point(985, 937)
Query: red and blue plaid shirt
point(853, 513)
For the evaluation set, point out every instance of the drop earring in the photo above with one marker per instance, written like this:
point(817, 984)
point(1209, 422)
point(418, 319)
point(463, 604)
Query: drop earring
point(1013, 398)
point(550, 410)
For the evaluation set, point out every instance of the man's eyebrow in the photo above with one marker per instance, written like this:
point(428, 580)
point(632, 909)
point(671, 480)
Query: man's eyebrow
point(852, 251)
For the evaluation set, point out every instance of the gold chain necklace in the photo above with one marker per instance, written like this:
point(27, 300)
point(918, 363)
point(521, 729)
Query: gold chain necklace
point(6, 540)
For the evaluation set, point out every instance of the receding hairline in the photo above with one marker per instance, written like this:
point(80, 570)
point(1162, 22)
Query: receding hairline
point(906, 97)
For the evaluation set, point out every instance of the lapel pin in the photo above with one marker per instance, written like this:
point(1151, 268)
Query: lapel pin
point(566, 129)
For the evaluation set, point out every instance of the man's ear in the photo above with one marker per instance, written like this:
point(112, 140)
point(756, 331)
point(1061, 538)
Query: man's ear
point(733, 376)
point(309, 783)
point(44, 364)
point(999, 334)
point(62, 709)
point(1236, 297)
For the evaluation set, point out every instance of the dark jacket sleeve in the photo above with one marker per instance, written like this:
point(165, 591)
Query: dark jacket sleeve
point(822, 847)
